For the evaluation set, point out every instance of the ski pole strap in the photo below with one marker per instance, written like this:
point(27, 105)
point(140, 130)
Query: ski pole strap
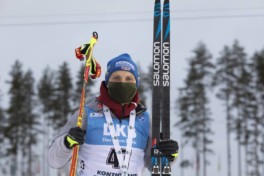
point(123, 162)
point(71, 141)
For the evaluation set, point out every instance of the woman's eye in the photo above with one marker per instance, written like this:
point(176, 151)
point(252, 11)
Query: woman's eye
point(115, 78)
point(129, 79)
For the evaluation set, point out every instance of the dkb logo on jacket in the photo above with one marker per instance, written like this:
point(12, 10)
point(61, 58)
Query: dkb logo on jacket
point(121, 130)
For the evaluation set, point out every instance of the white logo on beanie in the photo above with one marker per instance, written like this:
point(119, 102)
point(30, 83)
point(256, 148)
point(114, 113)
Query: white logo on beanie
point(124, 65)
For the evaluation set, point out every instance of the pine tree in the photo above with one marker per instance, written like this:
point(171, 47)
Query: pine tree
point(62, 96)
point(46, 98)
point(183, 105)
point(195, 114)
point(2, 138)
point(14, 129)
point(46, 91)
point(21, 128)
point(144, 84)
point(259, 60)
point(224, 80)
point(30, 122)
point(237, 89)
point(241, 77)
point(2, 119)
point(256, 119)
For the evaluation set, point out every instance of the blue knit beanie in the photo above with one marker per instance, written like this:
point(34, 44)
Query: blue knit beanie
point(122, 62)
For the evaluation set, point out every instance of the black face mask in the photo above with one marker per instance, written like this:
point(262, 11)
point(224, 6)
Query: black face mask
point(122, 92)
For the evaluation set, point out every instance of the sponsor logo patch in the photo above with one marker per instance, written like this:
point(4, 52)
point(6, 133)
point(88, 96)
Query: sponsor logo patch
point(125, 65)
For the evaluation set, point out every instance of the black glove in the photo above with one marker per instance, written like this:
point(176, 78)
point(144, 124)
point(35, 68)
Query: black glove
point(168, 148)
point(74, 137)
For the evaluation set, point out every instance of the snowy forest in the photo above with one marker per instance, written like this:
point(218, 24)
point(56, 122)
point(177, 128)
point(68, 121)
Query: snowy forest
point(37, 108)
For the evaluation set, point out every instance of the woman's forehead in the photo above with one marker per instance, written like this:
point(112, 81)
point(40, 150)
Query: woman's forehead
point(122, 73)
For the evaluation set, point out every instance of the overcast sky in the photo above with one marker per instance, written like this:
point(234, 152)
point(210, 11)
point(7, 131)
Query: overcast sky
point(42, 33)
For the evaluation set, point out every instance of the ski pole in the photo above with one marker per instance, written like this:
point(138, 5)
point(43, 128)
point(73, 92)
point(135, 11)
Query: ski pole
point(86, 51)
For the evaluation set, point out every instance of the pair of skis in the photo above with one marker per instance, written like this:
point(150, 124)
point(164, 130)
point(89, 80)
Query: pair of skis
point(161, 87)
